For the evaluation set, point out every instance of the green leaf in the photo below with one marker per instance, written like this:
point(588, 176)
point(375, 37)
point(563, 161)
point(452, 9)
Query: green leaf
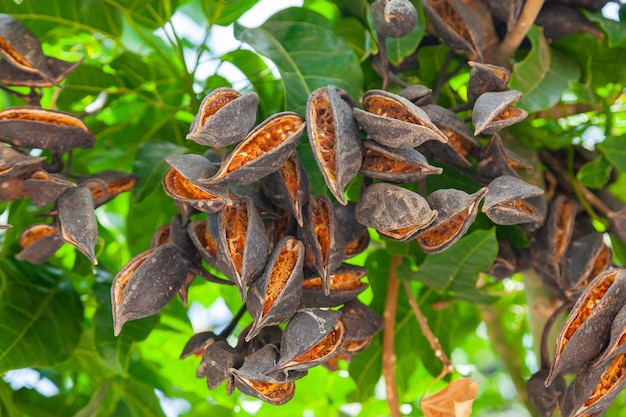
point(615, 31)
point(596, 173)
point(307, 52)
point(140, 398)
point(543, 75)
point(614, 149)
point(86, 82)
point(150, 166)
point(150, 13)
point(42, 316)
point(223, 13)
point(619, 249)
point(357, 37)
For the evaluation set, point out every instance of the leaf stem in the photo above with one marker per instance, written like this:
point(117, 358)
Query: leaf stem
point(389, 355)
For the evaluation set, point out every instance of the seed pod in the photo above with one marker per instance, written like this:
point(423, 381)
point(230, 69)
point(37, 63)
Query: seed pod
point(289, 187)
point(559, 21)
point(456, 212)
point(486, 78)
point(270, 335)
point(115, 183)
point(77, 221)
point(13, 162)
point(508, 202)
point(459, 27)
point(322, 238)
point(505, 264)
point(356, 236)
point(617, 340)
point(59, 69)
point(284, 225)
point(197, 344)
point(362, 324)
point(418, 94)
point(204, 241)
point(495, 160)
point(586, 331)
point(33, 127)
point(263, 151)
point(224, 118)
point(274, 297)
point(146, 284)
point(181, 183)
point(334, 138)
point(395, 212)
point(39, 242)
point(394, 18)
point(44, 188)
point(545, 399)
point(506, 11)
point(311, 337)
point(404, 165)
point(218, 359)
point(493, 111)
point(242, 247)
point(586, 258)
point(21, 48)
point(345, 285)
point(394, 121)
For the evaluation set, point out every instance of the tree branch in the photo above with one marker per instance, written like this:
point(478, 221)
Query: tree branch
point(389, 355)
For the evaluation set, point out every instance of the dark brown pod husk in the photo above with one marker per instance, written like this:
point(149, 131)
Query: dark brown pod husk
point(493, 111)
point(459, 27)
point(218, 359)
point(592, 5)
point(77, 221)
point(242, 246)
point(559, 21)
point(262, 151)
point(394, 18)
point(495, 160)
point(545, 399)
point(356, 236)
point(394, 121)
point(198, 343)
point(456, 211)
point(345, 285)
point(225, 117)
point(146, 284)
point(98, 188)
point(400, 165)
point(586, 258)
point(59, 69)
point(274, 297)
point(270, 335)
point(418, 94)
point(289, 187)
point(362, 324)
point(115, 183)
point(617, 340)
point(34, 127)
point(44, 188)
point(395, 212)
point(204, 241)
point(334, 138)
point(20, 47)
point(13, 162)
point(39, 242)
point(285, 225)
point(321, 234)
point(505, 264)
point(486, 78)
point(506, 11)
point(586, 331)
point(311, 337)
point(263, 206)
point(508, 203)
point(181, 183)
point(161, 235)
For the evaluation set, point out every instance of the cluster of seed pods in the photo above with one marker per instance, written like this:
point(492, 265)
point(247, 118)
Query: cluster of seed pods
point(47, 181)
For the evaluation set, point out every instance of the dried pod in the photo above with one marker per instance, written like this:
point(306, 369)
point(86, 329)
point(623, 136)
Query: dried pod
point(44, 188)
point(218, 359)
point(242, 246)
point(404, 165)
point(586, 258)
point(204, 241)
point(356, 236)
point(505, 264)
point(198, 343)
point(486, 78)
point(334, 137)
point(34, 127)
point(559, 21)
point(5, 226)
point(181, 183)
point(284, 225)
point(506, 11)
point(322, 238)
point(493, 111)
point(274, 297)
point(213, 124)
point(362, 324)
point(39, 242)
point(59, 69)
point(98, 188)
point(289, 187)
point(395, 212)
point(417, 93)
point(146, 284)
point(270, 335)
point(545, 399)
point(311, 337)
point(508, 202)
point(394, 18)
point(13, 162)
point(263, 151)
point(459, 27)
point(586, 331)
point(77, 221)
point(115, 183)
point(394, 121)
point(617, 223)
point(345, 285)
point(456, 212)
point(617, 340)
point(161, 235)
point(495, 160)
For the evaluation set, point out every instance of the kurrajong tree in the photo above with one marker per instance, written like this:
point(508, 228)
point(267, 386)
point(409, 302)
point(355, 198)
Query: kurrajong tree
point(421, 212)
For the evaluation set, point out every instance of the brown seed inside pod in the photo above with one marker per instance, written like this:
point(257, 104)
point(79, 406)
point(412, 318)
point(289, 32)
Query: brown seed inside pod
point(450, 16)
point(386, 107)
point(121, 185)
point(289, 171)
point(602, 262)
point(182, 187)
point(443, 233)
point(355, 346)
point(461, 145)
point(613, 375)
point(323, 122)
point(321, 219)
point(8, 49)
point(521, 205)
point(378, 162)
point(128, 271)
point(275, 393)
point(282, 270)
point(566, 214)
point(215, 102)
point(43, 116)
point(325, 347)
point(206, 238)
point(161, 236)
point(338, 282)
point(508, 113)
point(357, 246)
point(36, 232)
point(236, 225)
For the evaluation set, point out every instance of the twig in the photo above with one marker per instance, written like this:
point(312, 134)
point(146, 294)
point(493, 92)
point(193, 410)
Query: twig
point(233, 323)
point(389, 355)
point(444, 76)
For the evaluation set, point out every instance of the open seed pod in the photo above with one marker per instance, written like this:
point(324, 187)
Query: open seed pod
point(617, 340)
point(401, 165)
point(21, 48)
point(44, 188)
point(395, 212)
point(274, 297)
point(545, 399)
point(59, 69)
point(214, 123)
point(77, 221)
point(418, 94)
point(493, 111)
point(34, 127)
point(289, 187)
point(322, 238)
point(356, 236)
point(456, 212)
point(270, 335)
point(486, 78)
point(218, 359)
point(345, 285)
point(263, 151)
point(586, 331)
point(394, 121)
point(146, 284)
point(394, 18)
point(506, 11)
point(560, 20)
point(204, 241)
point(362, 324)
point(115, 183)
point(311, 337)
point(12, 162)
point(334, 138)
point(508, 202)
point(242, 246)
point(459, 27)
point(198, 343)
point(586, 258)
point(284, 225)
point(39, 242)
point(495, 160)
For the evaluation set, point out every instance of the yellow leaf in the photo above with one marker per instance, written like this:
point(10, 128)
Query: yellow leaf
point(455, 400)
